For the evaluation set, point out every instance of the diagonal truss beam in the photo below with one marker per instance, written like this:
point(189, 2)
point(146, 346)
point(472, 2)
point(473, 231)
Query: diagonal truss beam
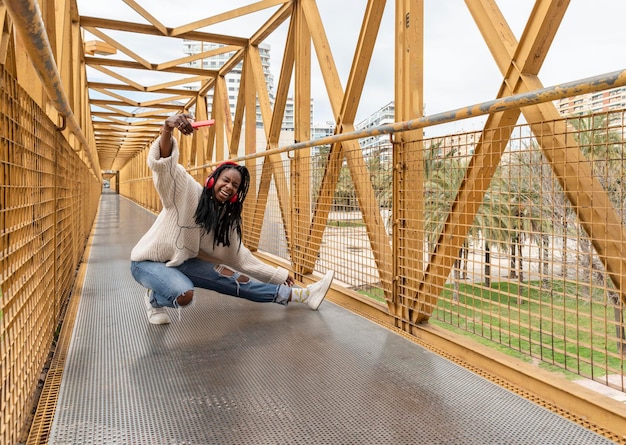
point(520, 64)
point(271, 122)
point(229, 15)
point(495, 135)
point(140, 28)
point(344, 106)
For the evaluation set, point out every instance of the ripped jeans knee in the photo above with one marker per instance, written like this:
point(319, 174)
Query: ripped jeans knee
point(227, 272)
point(185, 299)
point(167, 283)
point(226, 280)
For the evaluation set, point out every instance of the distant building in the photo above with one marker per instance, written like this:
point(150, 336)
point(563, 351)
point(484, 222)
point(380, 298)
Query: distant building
point(458, 144)
point(608, 100)
point(379, 145)
point(319, 131)
point(233, 79)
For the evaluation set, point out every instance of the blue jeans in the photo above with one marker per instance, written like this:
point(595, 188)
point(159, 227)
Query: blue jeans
point(169, 283)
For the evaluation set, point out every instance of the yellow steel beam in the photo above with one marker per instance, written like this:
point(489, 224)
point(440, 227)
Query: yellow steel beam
point(229, 15)
point(408, 183)
point(362, 56)
point(121, 48)
point(134, 65)
point(594, 209)
point(146, 15)
point(344, 106)
point(201, 55)
point(5, 33)
point(126, 87)
point(240, 107)
point(140, 28)
point(300, 164)
point(324, 55)
point(271, 165)
point(283, 87)
point(282, 14)
point(525, 57)
point(29, 25)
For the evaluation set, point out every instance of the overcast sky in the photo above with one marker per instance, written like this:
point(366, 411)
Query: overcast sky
point(458, 68)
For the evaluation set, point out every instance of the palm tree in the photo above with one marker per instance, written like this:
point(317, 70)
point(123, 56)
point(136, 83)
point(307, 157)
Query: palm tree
point(603, 146)
point(530, 187)
point(444, 173)
point(492, 221)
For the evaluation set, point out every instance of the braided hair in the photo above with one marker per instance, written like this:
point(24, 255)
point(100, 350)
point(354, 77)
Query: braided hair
point(222, 218)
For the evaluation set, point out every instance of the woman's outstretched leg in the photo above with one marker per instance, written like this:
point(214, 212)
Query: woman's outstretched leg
point(225, 280)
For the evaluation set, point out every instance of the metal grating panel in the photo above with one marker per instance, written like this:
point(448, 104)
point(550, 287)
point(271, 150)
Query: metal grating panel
point(231, 371)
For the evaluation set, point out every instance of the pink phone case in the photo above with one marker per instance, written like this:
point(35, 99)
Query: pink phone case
point(197, 124)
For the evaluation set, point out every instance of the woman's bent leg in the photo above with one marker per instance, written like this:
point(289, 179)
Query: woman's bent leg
point(224, 280)
point(167, 283)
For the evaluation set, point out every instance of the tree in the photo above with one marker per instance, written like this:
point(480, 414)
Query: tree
point(444, 172)
point(603, 146)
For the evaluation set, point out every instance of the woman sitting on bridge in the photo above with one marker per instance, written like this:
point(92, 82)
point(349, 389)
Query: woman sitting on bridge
point(196, 239)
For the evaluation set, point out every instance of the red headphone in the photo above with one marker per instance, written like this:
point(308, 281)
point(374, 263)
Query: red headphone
point(210, 181)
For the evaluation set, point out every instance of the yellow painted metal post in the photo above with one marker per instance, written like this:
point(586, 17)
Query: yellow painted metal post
point(301, 162)
point(408, 206)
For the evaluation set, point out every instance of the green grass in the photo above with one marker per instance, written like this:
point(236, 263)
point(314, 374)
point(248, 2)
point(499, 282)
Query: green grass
point(374, 293)
point(346, 223)
point(556, 322)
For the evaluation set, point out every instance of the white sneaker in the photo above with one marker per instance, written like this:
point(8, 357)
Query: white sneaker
point(156, 315)
point(314, 294)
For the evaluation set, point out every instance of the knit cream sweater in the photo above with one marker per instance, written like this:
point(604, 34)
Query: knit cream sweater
point(175, 237)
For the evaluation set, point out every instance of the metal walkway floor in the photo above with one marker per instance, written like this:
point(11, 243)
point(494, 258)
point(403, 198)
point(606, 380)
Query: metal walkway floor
point(235, 372)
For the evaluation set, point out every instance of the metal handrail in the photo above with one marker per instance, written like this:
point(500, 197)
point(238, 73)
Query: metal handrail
point(588, 85)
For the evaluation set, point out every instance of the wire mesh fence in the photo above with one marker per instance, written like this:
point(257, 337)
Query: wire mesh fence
point(48, 199)
point(527, 277)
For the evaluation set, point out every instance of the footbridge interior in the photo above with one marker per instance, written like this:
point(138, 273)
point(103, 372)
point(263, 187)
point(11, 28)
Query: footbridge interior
point(478, 293)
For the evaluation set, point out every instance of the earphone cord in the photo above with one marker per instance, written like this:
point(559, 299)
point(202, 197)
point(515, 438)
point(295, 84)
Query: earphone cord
point(180, 226)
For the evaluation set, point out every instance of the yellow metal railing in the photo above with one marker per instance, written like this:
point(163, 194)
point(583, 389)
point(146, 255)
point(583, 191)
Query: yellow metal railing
point(527, 277)
point(48, 201)
point(30, 26)
point(524, 255)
